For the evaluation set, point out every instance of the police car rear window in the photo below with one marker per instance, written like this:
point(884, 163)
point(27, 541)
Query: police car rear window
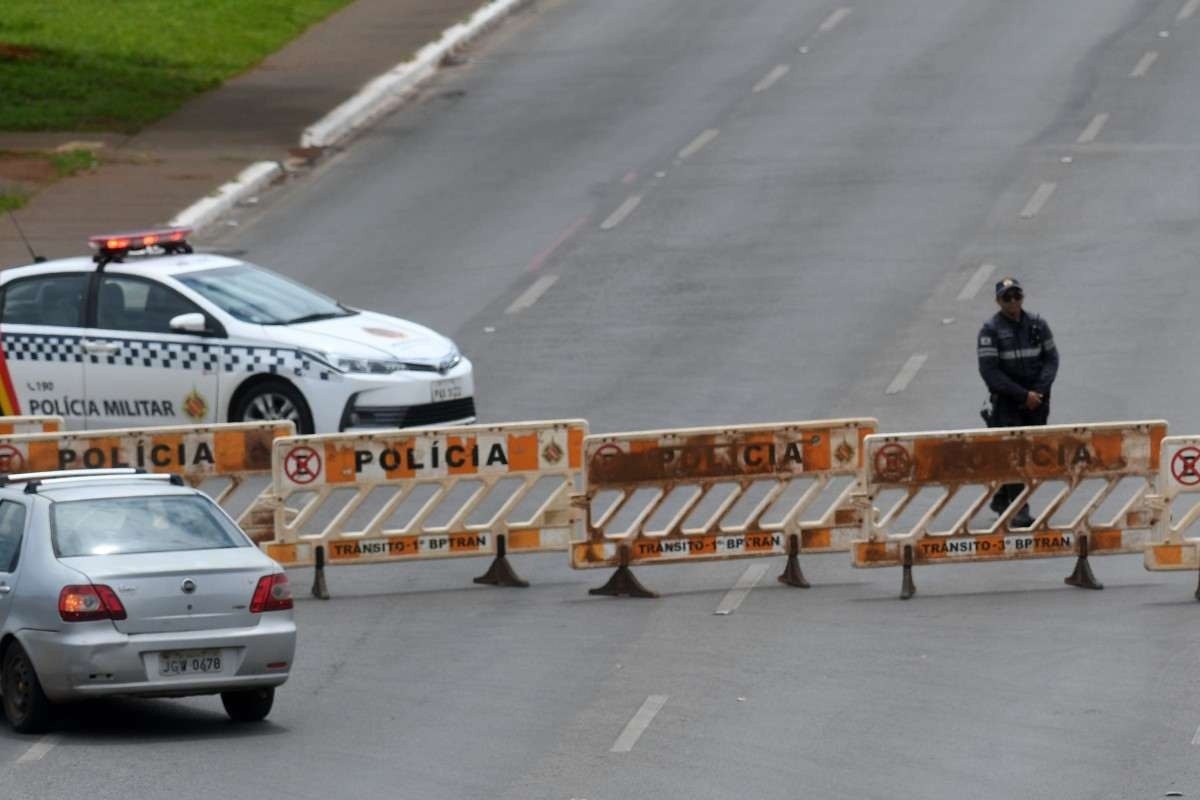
point(255, 295)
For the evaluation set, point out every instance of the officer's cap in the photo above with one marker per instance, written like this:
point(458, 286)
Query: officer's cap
point(1004, 284)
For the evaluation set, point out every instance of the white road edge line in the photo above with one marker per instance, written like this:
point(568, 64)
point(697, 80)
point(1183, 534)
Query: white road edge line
point(833, 19)
point(531, 295)
point(1188, 10)
point(977, 281)
point(697, 143)
point(623, 211)
point(737, 594)
point(1093, 129)
point(641, 720)
point(39, 749)
point(770, 78)
point(1040, 195)
point(906, 374)
point(1144, 64)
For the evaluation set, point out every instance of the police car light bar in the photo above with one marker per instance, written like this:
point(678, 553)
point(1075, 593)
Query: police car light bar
point(113, 245)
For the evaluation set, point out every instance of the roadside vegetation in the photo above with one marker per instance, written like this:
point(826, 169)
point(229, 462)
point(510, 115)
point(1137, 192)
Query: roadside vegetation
point(117, 65)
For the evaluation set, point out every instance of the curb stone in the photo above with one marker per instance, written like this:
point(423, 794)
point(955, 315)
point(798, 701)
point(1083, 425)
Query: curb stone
point(379, 96)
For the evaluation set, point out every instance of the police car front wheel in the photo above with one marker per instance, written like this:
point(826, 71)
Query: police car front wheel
point(272, 400)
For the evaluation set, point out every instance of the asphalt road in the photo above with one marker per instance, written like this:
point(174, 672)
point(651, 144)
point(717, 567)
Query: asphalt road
point(662, 213)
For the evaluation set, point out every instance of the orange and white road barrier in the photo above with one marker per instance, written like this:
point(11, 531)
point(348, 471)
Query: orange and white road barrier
point(223, 455)
point(19, 425)
point(1090, 489)
point(702, 494)
point(426, 493)
point(1176, 545)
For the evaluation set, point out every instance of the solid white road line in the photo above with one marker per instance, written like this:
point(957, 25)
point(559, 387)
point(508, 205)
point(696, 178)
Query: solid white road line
point(906, 374)
point(1188, 10)
point(698, 143)
point(1040, 195)
point(737, 594)
point(977, 281)
point(833, 19)
point(770, 78)
point(623, 211)
point(39, 749)
point(639, 723)
point(1144, 64)
point(1093, 129)
point(531, 295)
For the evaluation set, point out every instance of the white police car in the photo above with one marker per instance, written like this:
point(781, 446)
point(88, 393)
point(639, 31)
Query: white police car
point(181, 338)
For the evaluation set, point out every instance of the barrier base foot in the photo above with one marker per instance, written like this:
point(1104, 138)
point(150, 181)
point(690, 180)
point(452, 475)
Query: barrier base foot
point(792, 574)
point(319, 589)
point(623, 582)
point(1198, 591)
point(501, 573)
point(1082, 577)
point(907, 587)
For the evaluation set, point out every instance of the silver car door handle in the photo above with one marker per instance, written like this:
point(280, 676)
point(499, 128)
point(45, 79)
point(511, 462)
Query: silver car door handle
point(5, 589)
point(94, 346)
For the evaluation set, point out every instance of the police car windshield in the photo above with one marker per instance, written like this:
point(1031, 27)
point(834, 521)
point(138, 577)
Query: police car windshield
point(253, 294)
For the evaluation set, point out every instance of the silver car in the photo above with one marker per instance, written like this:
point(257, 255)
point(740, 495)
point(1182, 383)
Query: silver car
point(119, 583)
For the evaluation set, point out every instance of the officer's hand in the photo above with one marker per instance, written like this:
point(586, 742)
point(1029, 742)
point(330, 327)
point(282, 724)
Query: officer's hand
point(1033, 400)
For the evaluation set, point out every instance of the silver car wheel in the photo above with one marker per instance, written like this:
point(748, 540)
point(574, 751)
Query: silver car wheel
point(272, 406)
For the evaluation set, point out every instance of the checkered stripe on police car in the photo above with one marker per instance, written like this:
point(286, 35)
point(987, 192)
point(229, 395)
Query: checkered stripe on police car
point(166, 355)
point(28, 347)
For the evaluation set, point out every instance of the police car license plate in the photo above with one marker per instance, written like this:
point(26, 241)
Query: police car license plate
point(190, 662)
point(449, 389)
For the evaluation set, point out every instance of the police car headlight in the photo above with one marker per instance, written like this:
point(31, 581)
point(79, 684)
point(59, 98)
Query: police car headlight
point(368, 366)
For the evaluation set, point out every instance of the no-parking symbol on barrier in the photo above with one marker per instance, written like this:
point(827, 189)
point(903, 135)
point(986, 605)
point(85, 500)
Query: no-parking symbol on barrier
point(892, 462)
point(302, 465)
point(1183, 466)
point(11, 459)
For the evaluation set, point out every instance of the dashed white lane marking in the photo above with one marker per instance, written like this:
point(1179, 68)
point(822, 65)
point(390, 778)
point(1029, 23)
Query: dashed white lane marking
point(833, 19)
point(977, 281)
point(737, 594)
point(1040, 195)
point(39, 749)
point(531, 295)
point(1188, 10)
point(641, 720)
point(1196, 738)
point(1093, 129)
point(623, 211)
point(1144, 64)
point(770, 78)
point(906, 374)
point(697, 143)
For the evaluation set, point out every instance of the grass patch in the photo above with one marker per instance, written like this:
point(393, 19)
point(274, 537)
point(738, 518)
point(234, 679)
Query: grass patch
point(73, 162)
point(117, 65)
point(11, 201)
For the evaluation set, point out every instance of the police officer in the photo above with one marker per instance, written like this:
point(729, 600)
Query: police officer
point(1018, 362)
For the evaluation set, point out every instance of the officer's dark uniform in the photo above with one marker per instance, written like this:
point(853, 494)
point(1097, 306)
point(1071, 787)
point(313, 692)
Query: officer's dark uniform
point(1016, 358)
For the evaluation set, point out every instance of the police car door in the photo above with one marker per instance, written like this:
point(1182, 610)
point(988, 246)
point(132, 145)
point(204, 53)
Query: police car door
point(41, 332)
point(138, 370)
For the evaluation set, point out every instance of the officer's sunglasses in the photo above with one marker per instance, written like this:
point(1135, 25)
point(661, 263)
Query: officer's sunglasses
point(1009, 297)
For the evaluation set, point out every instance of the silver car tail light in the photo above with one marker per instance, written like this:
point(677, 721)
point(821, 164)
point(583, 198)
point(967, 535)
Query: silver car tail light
point(86, 602)
point(272, 594)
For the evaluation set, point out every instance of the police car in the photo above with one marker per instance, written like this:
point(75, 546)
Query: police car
point(175, 337)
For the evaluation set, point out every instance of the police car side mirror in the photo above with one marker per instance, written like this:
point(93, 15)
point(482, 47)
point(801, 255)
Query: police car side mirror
point(189, 323)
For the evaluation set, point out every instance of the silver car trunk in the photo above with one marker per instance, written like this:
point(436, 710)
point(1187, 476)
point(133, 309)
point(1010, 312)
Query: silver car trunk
point(154, 587)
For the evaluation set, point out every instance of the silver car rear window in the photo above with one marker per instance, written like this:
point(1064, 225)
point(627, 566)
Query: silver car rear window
point(146, 524)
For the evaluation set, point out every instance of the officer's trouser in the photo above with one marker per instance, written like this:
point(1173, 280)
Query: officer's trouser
point(1007, 413)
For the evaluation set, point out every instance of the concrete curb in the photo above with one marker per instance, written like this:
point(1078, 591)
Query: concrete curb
point(208, 209)
point(379, 96)
point(392, 88)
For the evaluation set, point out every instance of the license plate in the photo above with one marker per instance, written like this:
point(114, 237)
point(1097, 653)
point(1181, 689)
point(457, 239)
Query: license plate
point(189, 662)
point(450, 389)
